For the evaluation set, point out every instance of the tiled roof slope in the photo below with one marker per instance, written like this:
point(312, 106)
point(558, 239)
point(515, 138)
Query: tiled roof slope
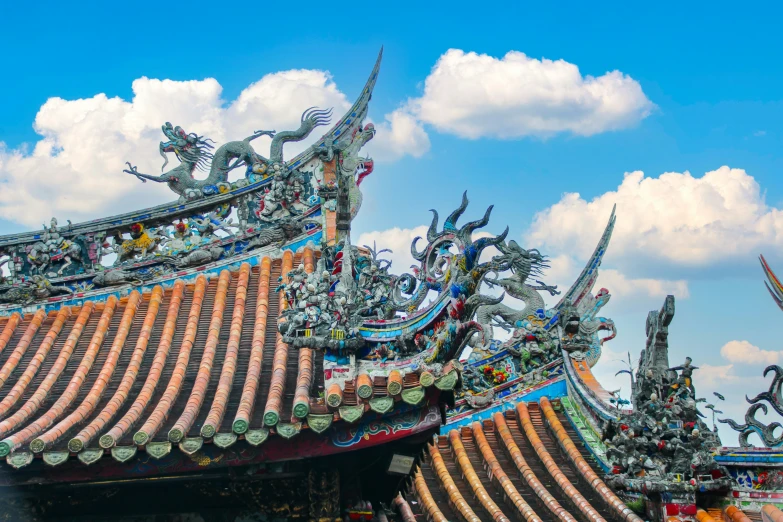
point(524, 464)
point(199, 361)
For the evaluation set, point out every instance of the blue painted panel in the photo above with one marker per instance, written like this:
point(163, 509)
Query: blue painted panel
point(551, 391)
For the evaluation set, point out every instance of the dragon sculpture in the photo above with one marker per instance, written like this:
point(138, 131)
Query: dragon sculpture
point(195, 153)
point(522, 264)
point(350, 287)
point(773, 284)
point(773, 396)
point(37, 288)
point(350, 163)
point(766, 432)
point(590, 324)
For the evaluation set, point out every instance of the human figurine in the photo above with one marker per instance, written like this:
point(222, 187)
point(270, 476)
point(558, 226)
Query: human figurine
point(51, 237)
point(273, 199)
point(685, 378)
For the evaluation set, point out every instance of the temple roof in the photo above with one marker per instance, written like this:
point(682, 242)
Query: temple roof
point(199, 361)
point(526, 463)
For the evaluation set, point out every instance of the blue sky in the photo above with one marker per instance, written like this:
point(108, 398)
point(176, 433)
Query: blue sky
point(709, 72)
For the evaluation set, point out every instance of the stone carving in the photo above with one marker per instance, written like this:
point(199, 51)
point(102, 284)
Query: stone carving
point(53, 249)
point(482, 400)
point(532, 344)
point(143, 241)
point(209, 209)
point(118, 276)
point(653, 370)
point(202, 256)
point(664, 445)
point(351, 286)
point(283, 230)
point(37, 288)
point(194, 153)
point(580, 326)
point(522, 264)
point(766, 432)
point(590, 324)
point(351, 168)
point(206, 226)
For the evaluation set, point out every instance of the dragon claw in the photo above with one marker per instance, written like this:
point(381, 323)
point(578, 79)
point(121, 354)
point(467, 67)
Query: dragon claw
point(133, 171)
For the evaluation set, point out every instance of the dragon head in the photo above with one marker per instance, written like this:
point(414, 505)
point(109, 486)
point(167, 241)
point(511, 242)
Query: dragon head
point(190, 148)
point(366, 134)
point(520, 261)
point(363, 136)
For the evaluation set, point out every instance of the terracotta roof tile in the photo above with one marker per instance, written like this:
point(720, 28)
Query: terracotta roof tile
point(455, 497)
point(304, 379)
point(590, 476)
point(220, 400)
point(480, 473)
point(197, 394)
point(253, 376)
point(425, 498)
point(22, 346)
point(90, 402)
point(162, 408)
point(83, 386)
point(34, 402)
point(145, 394)
point(497, 473)
point(35, 364)
point(274, 399)
point(523, 413)
point(527, 473)
point(45, 440)
point(734, 514)
point(475, 482)
point(8, 330)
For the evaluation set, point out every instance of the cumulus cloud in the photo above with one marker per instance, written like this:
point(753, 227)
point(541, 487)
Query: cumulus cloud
point(75, 170)
point(685, 220)
point(399, 241)
point(742, 352)
point(624, 286)
point(476, 95)
point(398, 135)
point(642, 293)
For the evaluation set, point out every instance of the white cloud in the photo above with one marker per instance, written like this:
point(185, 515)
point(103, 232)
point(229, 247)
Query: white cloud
point(682, 219)
point(399, 241)
point(399, 135)
point(476, 95)
point(742, 352)
point(626, 287)
point(637, 294)
point(75, 170)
